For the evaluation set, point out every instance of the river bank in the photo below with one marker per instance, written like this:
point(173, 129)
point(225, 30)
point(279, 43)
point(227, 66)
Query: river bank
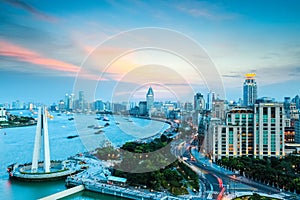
point(17, 146)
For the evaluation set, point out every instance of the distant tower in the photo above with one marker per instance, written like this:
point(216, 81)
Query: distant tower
point(150, 98)
point(71, 102)
point(210, 98)
point(41, 138)
point(199, 103)
point(249, 90)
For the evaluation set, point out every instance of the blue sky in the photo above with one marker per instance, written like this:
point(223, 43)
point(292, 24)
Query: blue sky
point(43, 43)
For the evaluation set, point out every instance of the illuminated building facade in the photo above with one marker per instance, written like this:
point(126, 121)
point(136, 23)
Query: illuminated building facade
point(269, 129)
point(236, 137)
point(256, 132)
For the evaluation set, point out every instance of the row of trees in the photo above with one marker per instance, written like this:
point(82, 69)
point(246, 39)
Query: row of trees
point(175, 178)
point(138, 147)
point(110, 153)
point(281, 173)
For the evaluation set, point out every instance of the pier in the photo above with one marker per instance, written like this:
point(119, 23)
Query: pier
point(64, 193)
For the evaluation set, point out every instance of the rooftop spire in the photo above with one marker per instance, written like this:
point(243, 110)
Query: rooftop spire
point(150, 91)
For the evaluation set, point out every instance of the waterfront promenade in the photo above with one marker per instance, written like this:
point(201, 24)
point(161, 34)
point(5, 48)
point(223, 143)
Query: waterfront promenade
point(96, 177)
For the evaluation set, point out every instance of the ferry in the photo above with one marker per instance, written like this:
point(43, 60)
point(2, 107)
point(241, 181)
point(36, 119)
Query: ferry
point(98, 132)
point(105, 119)
point(72, 136)
point(98, 127)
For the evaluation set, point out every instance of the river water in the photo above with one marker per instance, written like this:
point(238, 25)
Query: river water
point(16, 145)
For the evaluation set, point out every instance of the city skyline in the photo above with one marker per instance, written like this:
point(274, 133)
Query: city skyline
point(42, 45)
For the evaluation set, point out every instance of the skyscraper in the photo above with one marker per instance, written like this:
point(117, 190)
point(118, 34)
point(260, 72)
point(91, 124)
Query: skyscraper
point(210, 99)
point(296, 100)
point(143, 108)
point(199, 103)
point(98, 105)
point(249, 90)
point(81, 100)
point(150, 98)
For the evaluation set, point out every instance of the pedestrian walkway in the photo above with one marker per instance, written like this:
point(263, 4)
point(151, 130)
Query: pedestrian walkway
point(64, 193)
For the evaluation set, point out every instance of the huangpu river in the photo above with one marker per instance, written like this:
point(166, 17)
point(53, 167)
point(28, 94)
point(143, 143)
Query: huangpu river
point(16, 146)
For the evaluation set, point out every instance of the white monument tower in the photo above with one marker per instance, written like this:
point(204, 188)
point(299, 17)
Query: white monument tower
point(41, 139)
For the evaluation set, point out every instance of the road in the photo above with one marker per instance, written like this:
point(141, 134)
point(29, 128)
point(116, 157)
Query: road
point(214, 179)
point(233, 184)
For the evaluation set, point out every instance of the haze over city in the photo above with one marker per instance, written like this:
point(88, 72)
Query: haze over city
point(44, 43)
point(150, 100)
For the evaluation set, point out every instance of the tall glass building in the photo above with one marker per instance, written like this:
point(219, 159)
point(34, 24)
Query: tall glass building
point(150, 98)
point(249, 90)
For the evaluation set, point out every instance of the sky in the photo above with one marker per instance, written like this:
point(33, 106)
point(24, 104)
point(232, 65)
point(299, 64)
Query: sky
point(117, 49)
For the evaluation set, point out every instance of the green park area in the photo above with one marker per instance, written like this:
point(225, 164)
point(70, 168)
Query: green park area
point(176, 178)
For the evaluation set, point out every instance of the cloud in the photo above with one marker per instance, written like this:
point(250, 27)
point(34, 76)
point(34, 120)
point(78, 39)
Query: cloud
point(231, 76)
point(205, 10)
point(196, 12)
point(26, 55)
point(270, 55)
point(29, 8)
point(294, 71)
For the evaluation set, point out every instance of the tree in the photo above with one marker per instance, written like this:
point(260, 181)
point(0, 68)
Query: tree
point(255, 196)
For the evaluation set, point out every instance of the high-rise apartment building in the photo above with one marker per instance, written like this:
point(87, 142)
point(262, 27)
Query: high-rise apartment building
point(249, 90)
point(269, 129)
point(256, 131)
point(236, 137)
point(218, 109)
point(293, 111)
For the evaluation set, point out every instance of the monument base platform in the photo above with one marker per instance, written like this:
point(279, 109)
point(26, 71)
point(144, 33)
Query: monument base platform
point(59, 170)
